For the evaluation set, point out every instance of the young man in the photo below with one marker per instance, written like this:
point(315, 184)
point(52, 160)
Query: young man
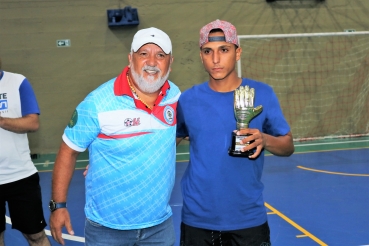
point(222, 195)
point(128, 125)
point(19, 180)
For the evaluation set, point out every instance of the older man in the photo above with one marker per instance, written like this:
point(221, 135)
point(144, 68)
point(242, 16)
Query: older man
point(128, 125)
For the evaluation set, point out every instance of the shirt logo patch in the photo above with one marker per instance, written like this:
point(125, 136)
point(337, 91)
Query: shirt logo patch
point(169, 114)
point(132, 122)
point(3, 104)
point(73, 120)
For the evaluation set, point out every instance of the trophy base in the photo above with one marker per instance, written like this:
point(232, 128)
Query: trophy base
point(235, 149)
point(235, 153)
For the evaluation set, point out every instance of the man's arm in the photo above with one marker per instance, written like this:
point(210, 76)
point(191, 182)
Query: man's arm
point(28, 123)
point(280, 146)
point(61, 177)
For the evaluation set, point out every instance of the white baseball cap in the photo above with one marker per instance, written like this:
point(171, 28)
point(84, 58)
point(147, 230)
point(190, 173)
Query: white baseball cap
point(152, 35)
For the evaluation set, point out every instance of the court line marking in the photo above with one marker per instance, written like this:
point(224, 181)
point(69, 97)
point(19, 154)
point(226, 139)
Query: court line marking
point(331, 143)
point(336, 173)
point(296, 145)
point(305, 232)
point(316, 144)
point(301, 236)
point(48, 232)
point(52, 162)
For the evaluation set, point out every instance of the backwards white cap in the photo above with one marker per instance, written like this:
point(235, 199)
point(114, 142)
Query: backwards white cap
point(152, 35)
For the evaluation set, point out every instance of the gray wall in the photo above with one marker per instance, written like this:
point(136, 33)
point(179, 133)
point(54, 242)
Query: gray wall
point(62, 77)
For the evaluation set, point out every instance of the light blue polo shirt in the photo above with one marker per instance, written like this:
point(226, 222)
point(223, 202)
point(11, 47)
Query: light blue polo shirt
point(132, 154)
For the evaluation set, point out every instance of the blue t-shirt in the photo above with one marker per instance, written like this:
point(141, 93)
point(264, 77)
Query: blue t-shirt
point(221, 192)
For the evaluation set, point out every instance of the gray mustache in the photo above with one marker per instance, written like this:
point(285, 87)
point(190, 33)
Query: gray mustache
point(151, 68)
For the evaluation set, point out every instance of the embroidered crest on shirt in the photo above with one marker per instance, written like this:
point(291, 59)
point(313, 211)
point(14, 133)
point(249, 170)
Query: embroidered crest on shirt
point(169, 114)
point(73, 120)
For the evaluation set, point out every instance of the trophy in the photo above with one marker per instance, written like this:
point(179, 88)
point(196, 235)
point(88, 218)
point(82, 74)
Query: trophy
point(244, 112)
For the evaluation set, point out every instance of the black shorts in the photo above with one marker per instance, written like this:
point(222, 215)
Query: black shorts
point(254, 236)
point(24, 203)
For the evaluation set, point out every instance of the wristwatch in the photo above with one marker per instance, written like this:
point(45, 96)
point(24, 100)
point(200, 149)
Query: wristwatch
point(55, 205)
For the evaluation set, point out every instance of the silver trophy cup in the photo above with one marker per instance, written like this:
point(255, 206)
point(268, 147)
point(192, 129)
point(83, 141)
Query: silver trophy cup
point(244, 112)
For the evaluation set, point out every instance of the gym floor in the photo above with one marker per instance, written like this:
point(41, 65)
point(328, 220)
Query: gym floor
point(318, 196)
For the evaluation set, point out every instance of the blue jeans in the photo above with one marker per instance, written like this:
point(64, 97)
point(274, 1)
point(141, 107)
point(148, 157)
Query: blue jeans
point(160, 235)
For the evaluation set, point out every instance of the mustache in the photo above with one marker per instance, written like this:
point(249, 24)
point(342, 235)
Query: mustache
point(146, 67)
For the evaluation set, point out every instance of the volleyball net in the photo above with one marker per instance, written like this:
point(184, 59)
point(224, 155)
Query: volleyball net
point(321, 80)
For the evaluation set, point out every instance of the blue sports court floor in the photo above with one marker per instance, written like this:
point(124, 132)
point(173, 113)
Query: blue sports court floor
point(318, 196)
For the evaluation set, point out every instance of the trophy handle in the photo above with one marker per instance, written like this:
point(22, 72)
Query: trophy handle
point(258, 110)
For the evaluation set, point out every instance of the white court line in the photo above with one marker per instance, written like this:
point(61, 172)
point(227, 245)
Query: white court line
point(296, 145)
point(52, 162)
point(317, 144)
point(313, 144)
point(65, 236)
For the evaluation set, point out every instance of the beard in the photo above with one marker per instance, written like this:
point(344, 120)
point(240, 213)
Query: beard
point(150, 84)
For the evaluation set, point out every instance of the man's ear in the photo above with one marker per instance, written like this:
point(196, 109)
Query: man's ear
point(238, 53)
point(171, 63)
point(129, 59)
point(201, 58)
point(171, 60)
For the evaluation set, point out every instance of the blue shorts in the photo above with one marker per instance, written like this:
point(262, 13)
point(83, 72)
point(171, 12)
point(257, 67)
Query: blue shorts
point(159, 235)
point(24, 203)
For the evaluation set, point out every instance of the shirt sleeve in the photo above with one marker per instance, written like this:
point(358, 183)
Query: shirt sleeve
point(83, 126)
point(275, 124)
point(28, 99)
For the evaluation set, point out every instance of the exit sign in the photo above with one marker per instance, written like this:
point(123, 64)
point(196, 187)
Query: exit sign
point(63, 43)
